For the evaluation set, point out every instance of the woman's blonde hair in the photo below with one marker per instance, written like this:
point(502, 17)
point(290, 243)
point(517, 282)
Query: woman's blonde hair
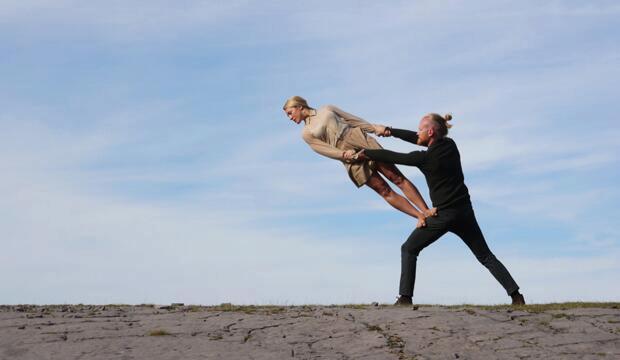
point(296, 101)
point(440, 123)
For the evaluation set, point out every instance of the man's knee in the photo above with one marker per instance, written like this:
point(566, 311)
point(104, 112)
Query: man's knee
point(409, 250)
point(486, 258)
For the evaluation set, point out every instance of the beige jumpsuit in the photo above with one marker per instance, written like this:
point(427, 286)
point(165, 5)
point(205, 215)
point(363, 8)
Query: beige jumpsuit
point(330, 131)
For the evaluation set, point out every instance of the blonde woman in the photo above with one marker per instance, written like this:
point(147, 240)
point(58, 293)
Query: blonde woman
point(339, 135)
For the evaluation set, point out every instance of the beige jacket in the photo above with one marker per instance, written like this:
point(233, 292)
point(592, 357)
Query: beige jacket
point(324, 127)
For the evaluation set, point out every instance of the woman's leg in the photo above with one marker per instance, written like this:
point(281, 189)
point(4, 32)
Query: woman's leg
point(395, 176)
point(378, 184)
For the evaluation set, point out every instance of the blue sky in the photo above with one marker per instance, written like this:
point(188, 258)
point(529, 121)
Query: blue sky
point(146, 158)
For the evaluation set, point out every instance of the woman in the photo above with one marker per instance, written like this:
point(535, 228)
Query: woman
point(339, 135)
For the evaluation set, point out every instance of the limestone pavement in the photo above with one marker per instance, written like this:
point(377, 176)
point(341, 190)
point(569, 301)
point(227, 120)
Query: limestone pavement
point(306, 332)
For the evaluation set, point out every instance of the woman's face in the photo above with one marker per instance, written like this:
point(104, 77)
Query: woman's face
point(294, 113)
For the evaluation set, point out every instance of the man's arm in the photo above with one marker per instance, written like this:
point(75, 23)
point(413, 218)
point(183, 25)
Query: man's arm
point(407, 135)
point(415, 158)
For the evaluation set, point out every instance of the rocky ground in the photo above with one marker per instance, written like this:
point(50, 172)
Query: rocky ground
point(557, 331)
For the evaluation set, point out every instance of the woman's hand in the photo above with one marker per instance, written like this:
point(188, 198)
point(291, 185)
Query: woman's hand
point(421, 222)
point(381, 130)
point(348, 154)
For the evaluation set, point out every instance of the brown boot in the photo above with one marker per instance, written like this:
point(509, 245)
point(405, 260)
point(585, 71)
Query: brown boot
point(517, 298)
point(403, 300)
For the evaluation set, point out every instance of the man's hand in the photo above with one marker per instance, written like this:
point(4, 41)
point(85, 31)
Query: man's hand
point(421, 222)
point(360, 156)
point(430, 212)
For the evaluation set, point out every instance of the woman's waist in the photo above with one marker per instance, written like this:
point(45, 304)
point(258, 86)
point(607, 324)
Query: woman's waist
point(342, 133)
point(350, 133)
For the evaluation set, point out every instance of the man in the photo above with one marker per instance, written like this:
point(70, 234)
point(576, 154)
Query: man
point(441, 166)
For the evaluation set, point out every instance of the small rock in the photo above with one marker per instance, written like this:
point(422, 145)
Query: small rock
point(22, 327)
point(374, 303)
point(415, 307)
point(456, 356)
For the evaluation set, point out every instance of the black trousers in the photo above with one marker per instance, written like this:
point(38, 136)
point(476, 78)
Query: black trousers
point(461, 221)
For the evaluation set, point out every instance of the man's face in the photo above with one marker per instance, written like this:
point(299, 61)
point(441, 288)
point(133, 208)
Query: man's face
point(423, 132)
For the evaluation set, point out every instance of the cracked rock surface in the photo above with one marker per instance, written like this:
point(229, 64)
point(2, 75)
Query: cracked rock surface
point(306, 332)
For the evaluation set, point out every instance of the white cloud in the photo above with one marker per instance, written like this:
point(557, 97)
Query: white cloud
point(77, 231)
point(540, 200)
point(461, 279)
point(122, 20)
point(64, 243)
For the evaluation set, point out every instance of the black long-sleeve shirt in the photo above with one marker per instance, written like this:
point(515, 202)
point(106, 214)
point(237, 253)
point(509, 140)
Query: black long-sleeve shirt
point(440, 164)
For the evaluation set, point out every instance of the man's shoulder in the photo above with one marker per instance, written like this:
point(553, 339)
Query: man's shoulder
point(448, 141)
point(449, 147)
point(442, 146)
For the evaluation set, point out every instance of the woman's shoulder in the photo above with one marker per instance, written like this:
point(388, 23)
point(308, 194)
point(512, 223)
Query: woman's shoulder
point(327, 108)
